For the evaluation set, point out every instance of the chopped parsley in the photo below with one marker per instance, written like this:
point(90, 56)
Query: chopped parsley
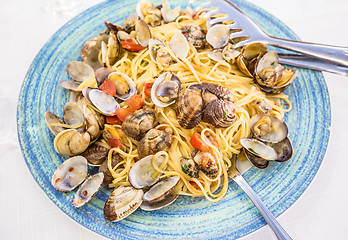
point(158, 16)
point(252, 150)
point(272, 63)
point(224, 114)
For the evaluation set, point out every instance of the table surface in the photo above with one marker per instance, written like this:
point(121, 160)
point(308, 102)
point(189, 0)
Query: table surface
point(27, 213)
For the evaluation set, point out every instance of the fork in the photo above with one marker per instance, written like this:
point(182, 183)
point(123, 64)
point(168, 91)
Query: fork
point(251, 32)
point(266, 214)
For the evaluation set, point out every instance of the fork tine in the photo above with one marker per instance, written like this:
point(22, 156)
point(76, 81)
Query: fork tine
point(218, 20)
point(243, 43)
point(238, 34)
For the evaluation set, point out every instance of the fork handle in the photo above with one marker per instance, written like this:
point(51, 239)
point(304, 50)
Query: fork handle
point(267, 215)
point(331, 53)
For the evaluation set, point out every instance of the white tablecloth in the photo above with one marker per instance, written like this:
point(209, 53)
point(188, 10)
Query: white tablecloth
point(27, 213)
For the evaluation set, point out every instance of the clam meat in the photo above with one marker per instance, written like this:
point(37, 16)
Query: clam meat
point(159, 53)
point(206, 163)
point(125, 86)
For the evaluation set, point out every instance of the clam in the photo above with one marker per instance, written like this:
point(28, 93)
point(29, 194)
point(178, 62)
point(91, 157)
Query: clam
point(158, 52)
point(53, 123)
point(259, 149)
point(129, 22)
point(194, 35)
point(92, 122)
point(125, 86)
point(88, 189)
point(256, 161)
point(122, 202)
point(179, 45)
point(189, 167)
point(284, 150)
point(90, 50)
point(105, 104)
point(102, 73)
point(70, 85)
point(161, 190)
point(70, 174)
point(206, 163)
point(143, 33)
point(165, 90)
point(168, 14)
point(220, 113)
point(216, 55)
point(113, 48)
point(219, 90)
point(229, 54)
point(189, 107)
point(218, 35)
point(96, 154)
point(262, 106)
point(71, 142)
point(148, 12)
point(247, 55)
point(128, 42)
point(268, 128)
point(143, 174)
point(73, 115)
point(79, 71)
point(138, 123)
point(108, 178)
point(112, 27)
point(154, 141)
point(151, 206)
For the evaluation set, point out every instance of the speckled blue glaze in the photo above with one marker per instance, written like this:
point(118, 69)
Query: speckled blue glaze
point(279, 186)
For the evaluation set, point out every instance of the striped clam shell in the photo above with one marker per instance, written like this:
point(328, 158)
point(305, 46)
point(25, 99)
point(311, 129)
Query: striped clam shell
point(154, 141)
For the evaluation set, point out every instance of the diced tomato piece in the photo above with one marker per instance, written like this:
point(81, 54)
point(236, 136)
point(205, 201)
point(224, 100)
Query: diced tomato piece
point(212, 140)
point(115, 142)
point(108, 87)
point(147, 89)
point(122, 113)
point(197, 142)
point(114, 120)
point(129, 45)
point(135, 102)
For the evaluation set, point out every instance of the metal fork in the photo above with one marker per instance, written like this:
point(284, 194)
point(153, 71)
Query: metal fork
point(266, 214)
point(253, 33)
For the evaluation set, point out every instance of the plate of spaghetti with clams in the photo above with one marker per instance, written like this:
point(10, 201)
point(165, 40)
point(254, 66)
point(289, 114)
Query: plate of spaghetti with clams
point(133, 114)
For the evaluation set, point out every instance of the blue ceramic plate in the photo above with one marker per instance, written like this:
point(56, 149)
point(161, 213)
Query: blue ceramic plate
point(279, 186)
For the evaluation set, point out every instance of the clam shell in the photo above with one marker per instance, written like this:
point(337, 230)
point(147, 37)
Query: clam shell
point(218, 35)
point(220, 113)
point(161, 189)
point(70, 174)
point(92, 122)
point(219, 90)
point(50, 119)
point(154, 141)
point(256, 161)
point(138, 123)
point(95, 154)
point(216, 55)
point(179, 45)
point(106, 104)
point(189, 106)
point(143, 33)
point(277, 131)
point(88, 189)
point(70, 142)
point(151, 206)
point(155, 86)
point(259, 149)
point(70, 85)
point(122, 202)
point(79, 71)
point(141, 173)
point(284, 150)
point(116, 158)
point(73, 114)
point(168, 14)
point(153, 53)
point(131, 84)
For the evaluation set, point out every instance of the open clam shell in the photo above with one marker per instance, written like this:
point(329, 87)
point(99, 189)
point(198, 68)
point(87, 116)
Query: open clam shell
point(142, 173)
point(53, 122)
point(256, 161)
point(158, 53)
point(151, 206)
point(79, 71)
point(120, 93)
point(88, 189)
point(165, 89)
point(71, 142)
point(218, 35)
point(73, 114)
point(102, 73)
point(161, 190)
point(70, 174)
point(70, 85)
point(259, 149)
point(268, 128)
point(104, 103)
point(168, 14)
point(122, 202)
point(284, 150)
point(216, 55)
point(179, 45)
point(143, 33)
